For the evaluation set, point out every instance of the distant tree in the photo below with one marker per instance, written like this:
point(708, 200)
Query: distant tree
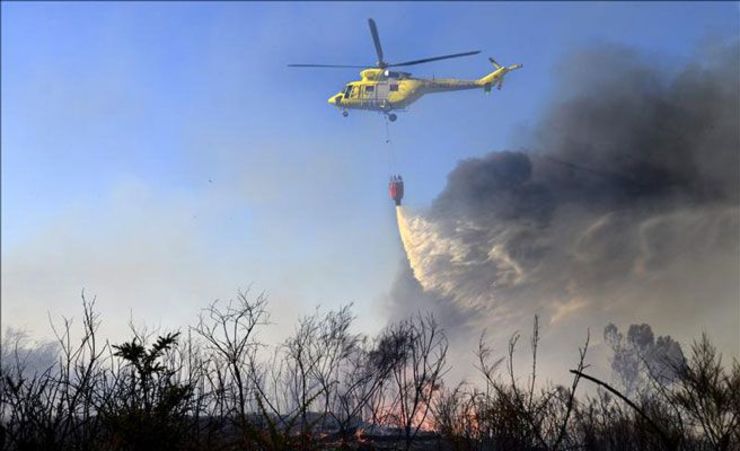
point(19, 354)
point(639, 356)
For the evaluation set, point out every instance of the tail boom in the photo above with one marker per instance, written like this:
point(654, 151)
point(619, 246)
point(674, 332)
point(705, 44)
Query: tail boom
point(497, 76)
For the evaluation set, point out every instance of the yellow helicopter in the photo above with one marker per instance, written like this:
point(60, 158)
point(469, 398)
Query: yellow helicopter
point(384, 90)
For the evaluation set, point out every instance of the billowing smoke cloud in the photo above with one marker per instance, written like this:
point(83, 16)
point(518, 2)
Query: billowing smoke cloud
point(623, 207)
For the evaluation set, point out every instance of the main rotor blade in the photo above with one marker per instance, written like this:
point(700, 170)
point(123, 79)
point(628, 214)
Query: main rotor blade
point(326, 65)
point(435, 58)
point(376, 41)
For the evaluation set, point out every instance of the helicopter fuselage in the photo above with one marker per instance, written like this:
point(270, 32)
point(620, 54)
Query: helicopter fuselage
point(385, 91)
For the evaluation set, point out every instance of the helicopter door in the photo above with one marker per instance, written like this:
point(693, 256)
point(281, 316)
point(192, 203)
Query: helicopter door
point(368, 94)
point(382, 89)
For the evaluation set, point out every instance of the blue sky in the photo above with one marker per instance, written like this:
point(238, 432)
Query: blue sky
point(162, 155)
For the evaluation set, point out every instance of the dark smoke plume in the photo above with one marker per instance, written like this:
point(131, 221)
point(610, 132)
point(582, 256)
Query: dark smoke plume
point(623, 207)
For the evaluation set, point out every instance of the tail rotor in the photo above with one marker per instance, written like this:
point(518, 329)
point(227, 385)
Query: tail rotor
point(496, 78)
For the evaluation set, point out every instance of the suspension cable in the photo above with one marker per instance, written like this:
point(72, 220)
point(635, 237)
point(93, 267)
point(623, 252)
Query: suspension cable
point(390, 147)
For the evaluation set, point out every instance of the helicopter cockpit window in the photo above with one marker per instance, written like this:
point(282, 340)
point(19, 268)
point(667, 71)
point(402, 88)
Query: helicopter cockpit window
point(369, 88)
point(394, 87)
point(347, 90)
